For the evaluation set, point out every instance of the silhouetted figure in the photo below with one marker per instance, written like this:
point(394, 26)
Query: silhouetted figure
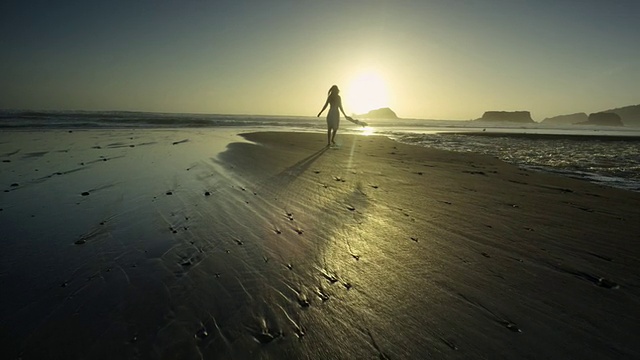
point(333, 116)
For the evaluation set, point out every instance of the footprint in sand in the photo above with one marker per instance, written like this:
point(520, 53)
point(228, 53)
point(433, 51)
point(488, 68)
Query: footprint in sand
point(322, 294)
point(607, 284)
point(201, 333)
point(511, 326)
point(596, 280)
point(449, 343)
point(331, 278)
point(266, 337)
point(187, 263)
point(605, 258)
point(303, 301)
point(474, 172)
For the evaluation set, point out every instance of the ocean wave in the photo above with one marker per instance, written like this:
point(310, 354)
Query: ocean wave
point(126, 119)
point(601, 155)
point(607, 160)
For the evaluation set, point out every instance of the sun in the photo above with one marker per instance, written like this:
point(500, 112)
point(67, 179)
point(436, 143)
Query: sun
point(366, 91)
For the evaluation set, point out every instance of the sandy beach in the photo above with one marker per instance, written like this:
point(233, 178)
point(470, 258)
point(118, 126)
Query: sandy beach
point(189, 244)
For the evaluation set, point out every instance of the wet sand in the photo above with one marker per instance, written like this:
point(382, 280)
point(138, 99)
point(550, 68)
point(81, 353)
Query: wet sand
point(160, 244)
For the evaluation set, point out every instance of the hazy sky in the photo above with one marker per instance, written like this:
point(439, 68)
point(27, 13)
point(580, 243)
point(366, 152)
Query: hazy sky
point(435, 59)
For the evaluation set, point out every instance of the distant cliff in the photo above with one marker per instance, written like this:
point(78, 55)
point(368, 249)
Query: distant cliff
point(383, 113)
point(507, 116)
point(630, 115)
point(603, 119)
point(566, 119)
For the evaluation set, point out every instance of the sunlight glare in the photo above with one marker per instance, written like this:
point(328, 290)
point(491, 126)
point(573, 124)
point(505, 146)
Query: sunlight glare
point(367, 91)
point(367, 130)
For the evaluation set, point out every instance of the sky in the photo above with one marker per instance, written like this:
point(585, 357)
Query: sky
point(426, 59)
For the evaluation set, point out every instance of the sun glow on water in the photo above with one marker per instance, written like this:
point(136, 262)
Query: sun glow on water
point(367, 130)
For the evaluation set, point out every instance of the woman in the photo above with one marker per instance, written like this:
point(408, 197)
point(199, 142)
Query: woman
point(333, 116)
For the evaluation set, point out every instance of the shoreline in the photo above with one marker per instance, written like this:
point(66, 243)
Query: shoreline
point(555, 136)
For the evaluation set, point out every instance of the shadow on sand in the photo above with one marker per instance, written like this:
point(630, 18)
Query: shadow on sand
point(301, 166)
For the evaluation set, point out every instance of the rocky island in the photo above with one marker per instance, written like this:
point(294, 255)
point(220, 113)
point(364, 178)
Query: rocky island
point(507, 116)
point(603, 119)
point(630, 115)
point(568, 119)
point(382, 113)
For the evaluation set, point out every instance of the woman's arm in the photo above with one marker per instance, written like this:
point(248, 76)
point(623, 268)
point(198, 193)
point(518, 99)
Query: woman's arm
point(324, 107)
point(342, 110)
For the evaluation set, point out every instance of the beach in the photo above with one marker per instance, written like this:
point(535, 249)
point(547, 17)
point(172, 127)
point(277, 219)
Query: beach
point(203, 243)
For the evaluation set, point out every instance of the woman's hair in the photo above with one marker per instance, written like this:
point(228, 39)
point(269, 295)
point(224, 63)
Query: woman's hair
point(334, 90)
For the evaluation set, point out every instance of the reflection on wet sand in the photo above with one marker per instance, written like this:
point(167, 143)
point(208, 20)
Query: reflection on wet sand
point(283, 248)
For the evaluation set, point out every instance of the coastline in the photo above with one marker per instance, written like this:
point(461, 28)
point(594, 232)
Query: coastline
point(273, 246)
point(550, 136)
point(531, 134)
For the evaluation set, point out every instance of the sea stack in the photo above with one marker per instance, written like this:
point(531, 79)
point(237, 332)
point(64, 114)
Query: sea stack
point(603, 119)
point(382, 113)
point(566, 119)
point(507, 116)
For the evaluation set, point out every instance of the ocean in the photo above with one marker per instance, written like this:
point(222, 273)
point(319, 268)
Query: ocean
point(607, 156)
